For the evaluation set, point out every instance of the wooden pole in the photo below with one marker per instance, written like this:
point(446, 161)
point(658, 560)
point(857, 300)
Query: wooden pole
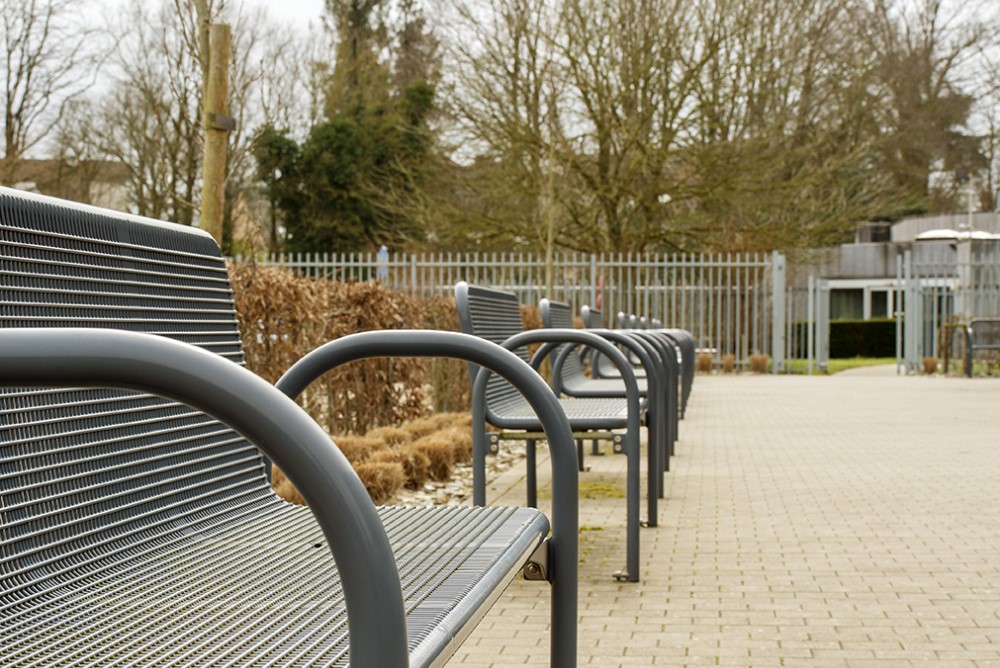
point(218, 124)
point(201, 9)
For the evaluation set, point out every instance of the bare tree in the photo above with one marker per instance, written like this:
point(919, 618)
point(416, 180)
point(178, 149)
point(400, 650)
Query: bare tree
point(924, 101)
point(504, 94)
point(150, 120)
point(632, 67)
point(49, 57)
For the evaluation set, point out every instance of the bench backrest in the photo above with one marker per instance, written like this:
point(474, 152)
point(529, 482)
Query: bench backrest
point(984, 333)
point(89, 471)
point(560, 316)
point(494, 315)
point(593, 318)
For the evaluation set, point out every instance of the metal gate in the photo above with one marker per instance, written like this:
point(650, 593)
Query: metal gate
point(939, 296)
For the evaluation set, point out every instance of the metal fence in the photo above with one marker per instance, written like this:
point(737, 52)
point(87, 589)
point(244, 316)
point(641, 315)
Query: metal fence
point(806, 327)
point(939, 297)
point(934, 292)
point(725, 300)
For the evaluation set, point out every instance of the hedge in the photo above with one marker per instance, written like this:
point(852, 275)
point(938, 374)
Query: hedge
point(863, 338)
point(852, 338)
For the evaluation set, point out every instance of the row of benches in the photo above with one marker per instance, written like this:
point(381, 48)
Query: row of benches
point(137, 522)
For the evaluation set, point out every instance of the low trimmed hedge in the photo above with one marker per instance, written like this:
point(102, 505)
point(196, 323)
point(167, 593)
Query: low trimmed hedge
point(852, 338)
point(863, 338)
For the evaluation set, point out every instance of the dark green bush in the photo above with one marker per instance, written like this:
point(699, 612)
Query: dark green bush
point(850, 338)
point(863, 338)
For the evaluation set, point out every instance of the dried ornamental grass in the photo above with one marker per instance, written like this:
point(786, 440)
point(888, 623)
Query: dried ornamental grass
point(461, 443)
point(440, 452)
point(381, 479)
point(930, 365)
point(416, 464)
point(426, 449)
point(391, 436)
point(758, 363)
point(728, 363)
point(704, 363)
point(359, 449)
point(284, 488)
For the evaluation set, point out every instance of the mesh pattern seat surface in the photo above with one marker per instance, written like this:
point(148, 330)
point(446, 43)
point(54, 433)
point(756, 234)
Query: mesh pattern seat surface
point(252, 583)
point(137, 530)
point(582, 413)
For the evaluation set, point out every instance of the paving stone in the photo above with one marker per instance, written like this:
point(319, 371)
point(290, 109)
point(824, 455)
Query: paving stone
point(823, 521)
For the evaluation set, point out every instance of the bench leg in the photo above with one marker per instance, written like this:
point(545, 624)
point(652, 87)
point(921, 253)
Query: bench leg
point(531, 482)
point(632, 503)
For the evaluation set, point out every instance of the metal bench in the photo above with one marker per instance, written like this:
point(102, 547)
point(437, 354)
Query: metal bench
point(980, 334)
point(679, 338)
point(137, 522)
point(569, 377)
point(495, 315)
point(682, 340)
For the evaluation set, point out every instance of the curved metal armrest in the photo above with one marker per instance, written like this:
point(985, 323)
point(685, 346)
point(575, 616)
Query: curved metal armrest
point(557, 337)
point(490, 357)
point(69, 357)
point(644, 350)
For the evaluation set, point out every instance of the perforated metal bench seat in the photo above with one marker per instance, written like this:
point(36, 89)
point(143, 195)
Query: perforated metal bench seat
point(582, 386)
point(583, 413)
point(250, 582)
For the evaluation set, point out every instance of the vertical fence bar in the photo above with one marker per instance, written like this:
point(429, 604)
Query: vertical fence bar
point(778, 330)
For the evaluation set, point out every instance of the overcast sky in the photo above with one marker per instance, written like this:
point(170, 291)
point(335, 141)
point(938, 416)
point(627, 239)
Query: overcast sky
point(301, 11)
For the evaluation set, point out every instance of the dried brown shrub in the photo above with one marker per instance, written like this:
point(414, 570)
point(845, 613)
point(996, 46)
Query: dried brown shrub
point(930, 365)
point(704, 362)
point(284, 488)
point(460, 437)
point(358, 449)
point(416, 464)
point(391, 436)
point(758, 363)
point(381, 479)
point(449, 377)
point(283, 316)
point(441, 453)
point(728, 363)
point(531, 318)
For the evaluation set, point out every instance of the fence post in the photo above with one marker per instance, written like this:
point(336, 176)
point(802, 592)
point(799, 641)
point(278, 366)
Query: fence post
point(811, 324)
point(823, 324)
point(778, 312)
point(897, 312)
point(914, 315)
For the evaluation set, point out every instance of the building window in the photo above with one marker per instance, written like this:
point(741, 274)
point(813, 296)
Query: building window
point(880, 304)
point(847, 304)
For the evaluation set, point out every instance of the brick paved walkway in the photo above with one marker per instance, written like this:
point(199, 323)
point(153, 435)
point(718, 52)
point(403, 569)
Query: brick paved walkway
point(850, 520)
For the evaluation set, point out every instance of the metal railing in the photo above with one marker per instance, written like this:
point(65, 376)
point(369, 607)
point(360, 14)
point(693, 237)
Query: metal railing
point(724, 300)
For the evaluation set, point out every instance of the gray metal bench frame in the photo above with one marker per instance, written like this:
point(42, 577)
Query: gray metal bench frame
point(495, 315)
point(678, 338)
point(45, 554)
point(568, 378)
point(979, 328)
